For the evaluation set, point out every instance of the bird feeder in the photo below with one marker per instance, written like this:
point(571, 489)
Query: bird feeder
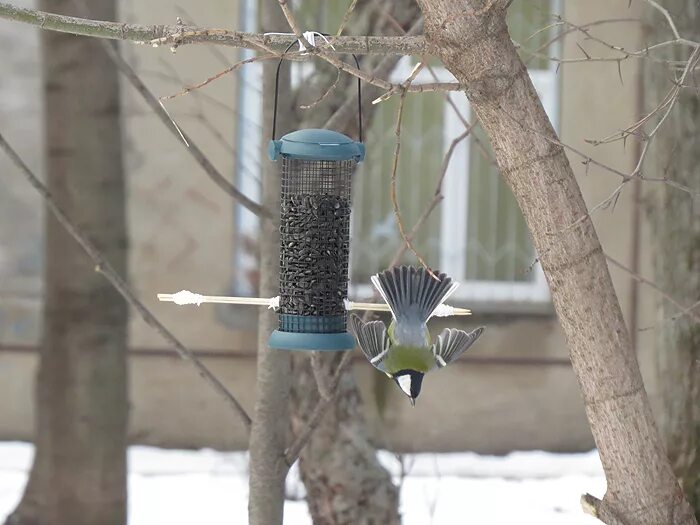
point(317, 166)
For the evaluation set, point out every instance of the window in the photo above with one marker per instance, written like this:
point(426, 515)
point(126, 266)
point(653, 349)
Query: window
point(249, 147)
point(477, 234)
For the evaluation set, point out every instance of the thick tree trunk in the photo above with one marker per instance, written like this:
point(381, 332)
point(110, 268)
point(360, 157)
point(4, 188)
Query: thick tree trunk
point(344, 481)
point(472, 39)
point(269, 434)
point(676, 226)
point(79, 471)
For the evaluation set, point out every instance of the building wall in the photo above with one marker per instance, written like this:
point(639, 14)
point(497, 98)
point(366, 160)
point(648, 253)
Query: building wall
point(599, 100)
point(515, 390)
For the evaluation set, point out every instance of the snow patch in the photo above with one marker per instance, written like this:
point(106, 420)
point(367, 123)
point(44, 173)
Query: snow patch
point(180, 487)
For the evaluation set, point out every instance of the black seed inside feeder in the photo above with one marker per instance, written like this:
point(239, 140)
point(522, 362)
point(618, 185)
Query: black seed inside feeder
point(317, 170)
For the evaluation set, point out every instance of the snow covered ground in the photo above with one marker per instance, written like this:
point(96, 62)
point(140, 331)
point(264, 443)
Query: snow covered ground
point(181, 487)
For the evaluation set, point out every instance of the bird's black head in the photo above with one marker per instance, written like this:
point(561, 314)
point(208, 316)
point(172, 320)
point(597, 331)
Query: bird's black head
point(409, 382)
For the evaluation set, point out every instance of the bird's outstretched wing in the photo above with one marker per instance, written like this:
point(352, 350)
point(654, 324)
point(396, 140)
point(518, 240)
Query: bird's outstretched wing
point(372, 339)
point(451, 343)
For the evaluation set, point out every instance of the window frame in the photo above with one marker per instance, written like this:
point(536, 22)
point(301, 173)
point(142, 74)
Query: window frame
point(454, 207)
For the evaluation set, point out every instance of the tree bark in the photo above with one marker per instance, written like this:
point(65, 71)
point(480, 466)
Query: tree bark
point(676, 227)
point(269, 434)
point(344, 481)
point(79, 471)
point(472, 40)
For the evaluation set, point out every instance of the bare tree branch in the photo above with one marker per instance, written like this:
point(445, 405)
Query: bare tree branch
point(667, 15)
point(394, 200)
point(230, 69)
point(437, 196)
point(193, 149)
point(684, 310)
point(383, 69)
point(670, 318)
point(177, 34)
point(346, 17)
point(322, 381)
point(102, 266)
point(598, 509)
point(624, 54)
point(291, 20)
point(385, 84)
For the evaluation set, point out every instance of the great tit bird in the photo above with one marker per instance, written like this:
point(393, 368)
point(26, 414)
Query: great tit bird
point(405, 352)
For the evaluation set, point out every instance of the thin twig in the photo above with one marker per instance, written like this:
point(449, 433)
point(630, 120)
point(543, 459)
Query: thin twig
point(383, 69)
point(198, 155)
point(667, 15)
point(291, 20)
point(692, 61)
point(394, 200)
point(402, 87)
point(346, 17)
point(230, 69)
point(671, 318)
point(684, 310)
point(323, 382)
point(390, 18)
point(437, 196)
point(385, 84)
point(601, 205)
point(326, 92)
point(588, 160)
point(102, 266)
point(667, 103)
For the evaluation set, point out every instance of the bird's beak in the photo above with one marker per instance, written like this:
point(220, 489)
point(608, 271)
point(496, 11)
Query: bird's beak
point(413, 401)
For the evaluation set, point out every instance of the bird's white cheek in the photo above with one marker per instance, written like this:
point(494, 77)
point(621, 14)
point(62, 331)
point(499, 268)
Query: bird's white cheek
point(405, 384)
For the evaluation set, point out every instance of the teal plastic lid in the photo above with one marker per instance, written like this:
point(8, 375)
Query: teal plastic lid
point(317, 144)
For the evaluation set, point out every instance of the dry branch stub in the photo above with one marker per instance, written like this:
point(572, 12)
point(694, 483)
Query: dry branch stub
point(317, 170)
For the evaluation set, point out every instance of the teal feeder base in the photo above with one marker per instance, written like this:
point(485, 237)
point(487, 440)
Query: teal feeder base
point(339, 342)
point(312, 332)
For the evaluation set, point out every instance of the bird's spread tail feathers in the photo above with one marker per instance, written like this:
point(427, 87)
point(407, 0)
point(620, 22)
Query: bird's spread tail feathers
point(412, 293)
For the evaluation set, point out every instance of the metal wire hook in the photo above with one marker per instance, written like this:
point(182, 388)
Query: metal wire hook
point(277, 85)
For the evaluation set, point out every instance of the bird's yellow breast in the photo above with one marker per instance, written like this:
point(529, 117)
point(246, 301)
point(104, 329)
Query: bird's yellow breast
point(408, 357)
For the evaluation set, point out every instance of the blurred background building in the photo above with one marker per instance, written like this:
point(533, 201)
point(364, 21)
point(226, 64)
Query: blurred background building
point(515, 389)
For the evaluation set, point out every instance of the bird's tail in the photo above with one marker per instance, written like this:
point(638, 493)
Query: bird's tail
point(412, 293)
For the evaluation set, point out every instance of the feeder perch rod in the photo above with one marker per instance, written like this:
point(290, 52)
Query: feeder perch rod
point(186, 297)
point(442, 311)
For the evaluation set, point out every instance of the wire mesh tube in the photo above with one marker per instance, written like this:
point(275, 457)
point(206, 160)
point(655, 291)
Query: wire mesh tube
point(314, 244)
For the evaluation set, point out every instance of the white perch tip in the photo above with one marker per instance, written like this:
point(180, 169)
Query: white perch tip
point(444, 311)
point(184, 297)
